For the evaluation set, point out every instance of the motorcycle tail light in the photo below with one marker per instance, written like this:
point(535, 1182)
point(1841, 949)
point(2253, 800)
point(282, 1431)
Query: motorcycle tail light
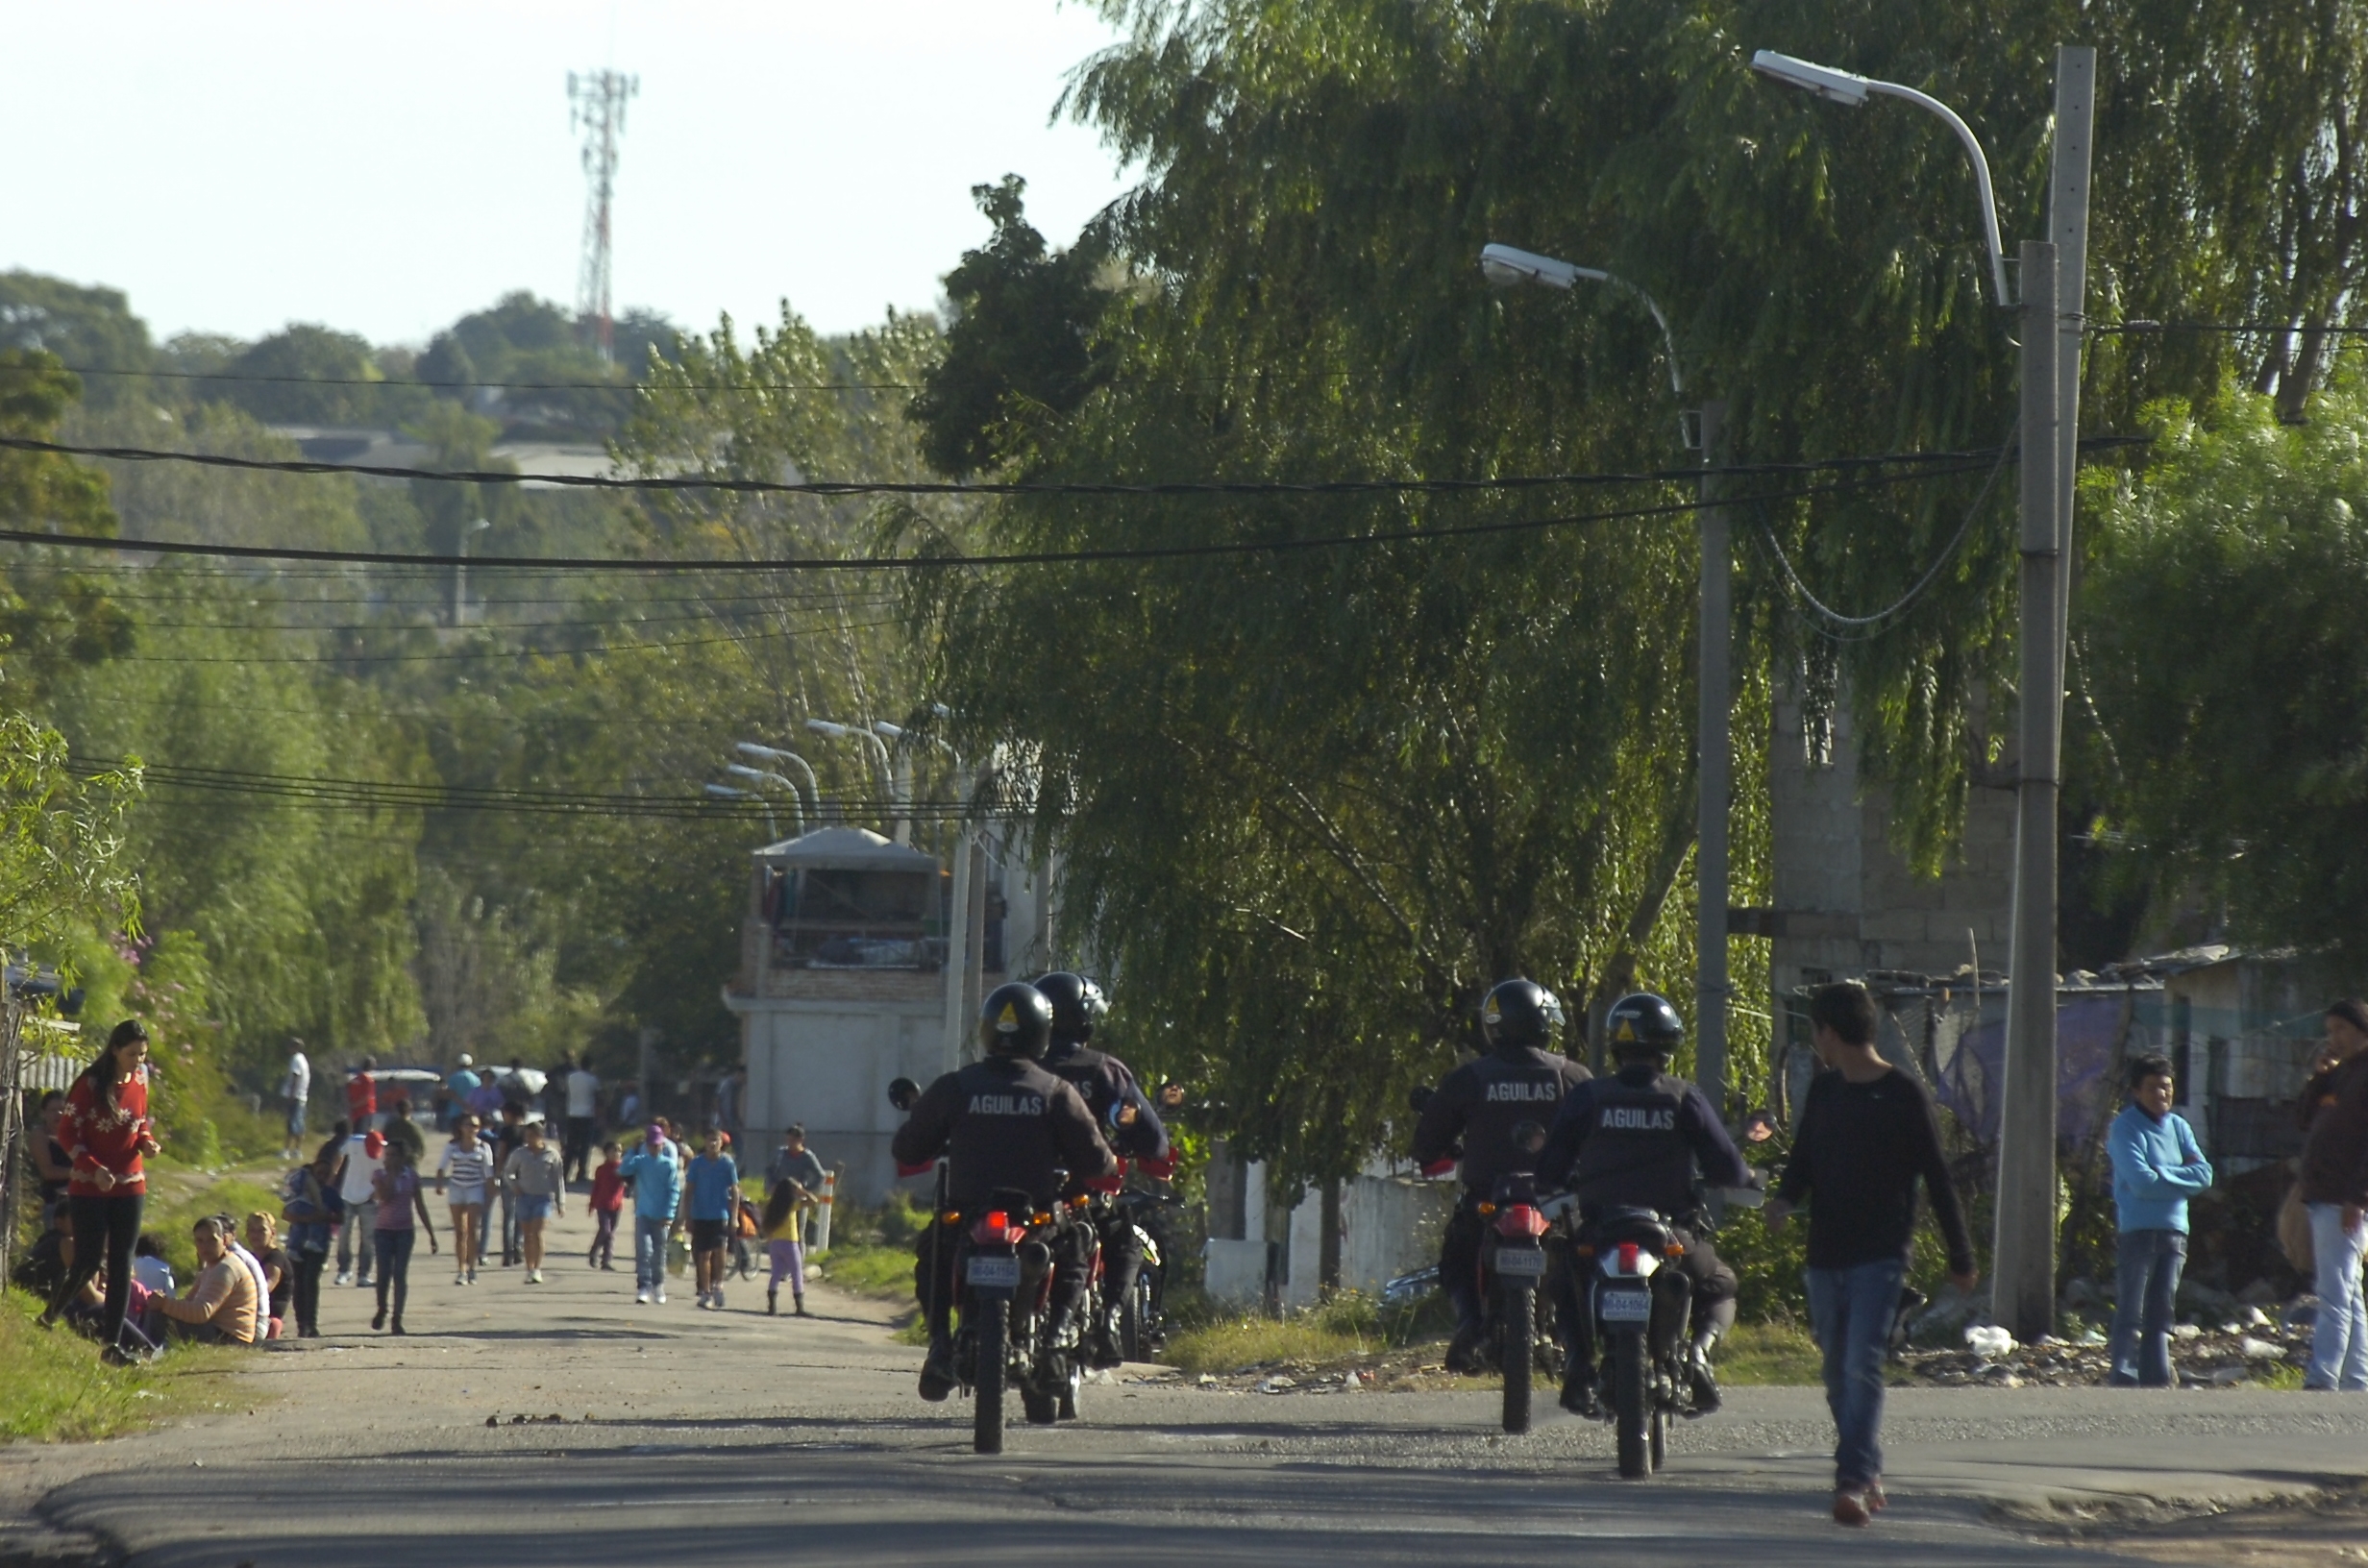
point(998, 1220)
point(1487, 1209)
point(1628, 1257)
point(1520, 1219)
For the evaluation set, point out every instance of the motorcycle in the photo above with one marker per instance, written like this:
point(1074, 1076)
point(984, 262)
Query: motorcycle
point(1515, 1267)
point(1141, 1323)
point(1641, 1306)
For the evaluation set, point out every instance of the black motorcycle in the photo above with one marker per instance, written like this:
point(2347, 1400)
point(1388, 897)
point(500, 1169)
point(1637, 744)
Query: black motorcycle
point(1516, 1271)
point(1141, 1325)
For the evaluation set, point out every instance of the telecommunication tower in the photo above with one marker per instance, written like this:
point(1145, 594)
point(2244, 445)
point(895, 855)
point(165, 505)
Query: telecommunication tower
point(596, 106)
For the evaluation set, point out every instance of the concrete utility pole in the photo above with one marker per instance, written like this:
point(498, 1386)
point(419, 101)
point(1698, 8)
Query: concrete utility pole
point(2023, 1288)
point(1715, 699)
point(2054, 283)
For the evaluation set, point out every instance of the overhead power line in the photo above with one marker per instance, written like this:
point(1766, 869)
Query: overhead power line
point(1047, 557)
point(388, 383)
point(2141, 325)
point(894, 487)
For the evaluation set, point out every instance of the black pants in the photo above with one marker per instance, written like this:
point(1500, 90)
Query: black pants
point(308, 1266)
point(576, 1157)
point(1122, 1259)
point(394, 1249)
point(105, 1229)
point(1459, 1263)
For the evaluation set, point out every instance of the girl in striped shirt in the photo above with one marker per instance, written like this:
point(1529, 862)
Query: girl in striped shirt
point(468, 1164)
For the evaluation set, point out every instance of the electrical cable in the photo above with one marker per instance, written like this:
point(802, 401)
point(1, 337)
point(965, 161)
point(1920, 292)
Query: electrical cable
point(880, 487)
point(596, 649)
point(934, 563)
point(1948, 552)
point(2141, 326)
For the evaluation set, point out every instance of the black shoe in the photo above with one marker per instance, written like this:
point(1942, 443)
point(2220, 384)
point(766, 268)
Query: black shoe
point(773, 1304)
point(380, 1321)
point(937, 1372)
point(1579, 1397)
point(1464, 1350)
point(1705, 1386)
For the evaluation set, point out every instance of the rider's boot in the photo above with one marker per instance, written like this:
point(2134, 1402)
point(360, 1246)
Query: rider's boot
point(937, 1377)
point(1698, 1373)
point(1464, 1350)
point(1579, 1396)
point(1106, 1351)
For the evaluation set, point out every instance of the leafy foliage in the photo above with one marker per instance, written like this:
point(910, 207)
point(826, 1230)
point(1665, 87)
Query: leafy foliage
point(2223, 656)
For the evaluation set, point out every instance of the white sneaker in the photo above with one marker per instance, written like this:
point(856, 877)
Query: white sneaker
point(346, 1277)
point(717, 1298)
point(534, 1275)
point(641, 1298)
point(662, 1296)
point(462, 1278)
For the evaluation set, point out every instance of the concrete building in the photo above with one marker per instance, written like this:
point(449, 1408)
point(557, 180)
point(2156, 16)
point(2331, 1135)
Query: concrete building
point(845, 983)
point(1847, 904)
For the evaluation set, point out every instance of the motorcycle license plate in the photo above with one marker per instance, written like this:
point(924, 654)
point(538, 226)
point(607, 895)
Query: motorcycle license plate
point(995, 1273)
point(1625, 1306)
point(1521, 1264)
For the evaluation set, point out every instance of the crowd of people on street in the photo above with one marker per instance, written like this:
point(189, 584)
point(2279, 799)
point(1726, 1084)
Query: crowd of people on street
point(518, 1142)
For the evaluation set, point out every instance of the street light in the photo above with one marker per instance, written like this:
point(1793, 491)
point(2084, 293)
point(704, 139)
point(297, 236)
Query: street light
point(1505, 267)
point(2054, 288)
point(725, 791)
point(887, 772)
point(1852, 90)
point(757, 775)
point(806, 771)
point(1714, 686)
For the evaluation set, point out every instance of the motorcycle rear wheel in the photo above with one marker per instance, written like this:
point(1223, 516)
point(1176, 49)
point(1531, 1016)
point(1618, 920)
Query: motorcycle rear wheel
point(1514, 1315)
point(1660, 1438)
point(994, 1355)
point(1629, 1396)
point(1135, 1321)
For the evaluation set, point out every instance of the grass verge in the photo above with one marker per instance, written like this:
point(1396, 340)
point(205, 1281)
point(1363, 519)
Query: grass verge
point(883, 1272)
point(57, 1390)
point(1775, 1355)
point(1344, 1329)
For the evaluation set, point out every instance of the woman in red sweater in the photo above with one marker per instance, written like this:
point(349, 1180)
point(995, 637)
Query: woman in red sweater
point(105, 1132)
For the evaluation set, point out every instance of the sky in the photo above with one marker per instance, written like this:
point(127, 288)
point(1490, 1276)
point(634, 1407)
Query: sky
point(385, 168)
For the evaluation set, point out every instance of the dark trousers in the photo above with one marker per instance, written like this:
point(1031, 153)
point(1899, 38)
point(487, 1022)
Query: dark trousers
point(394, 1249)
point(2149, 1268)
point(105, 1229)
point(1122, 1260)
point(308, 1266)
point(576, 1155)
point(603, 1238)
point(1459, 1264)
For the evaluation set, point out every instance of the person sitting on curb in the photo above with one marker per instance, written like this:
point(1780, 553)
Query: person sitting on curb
point(221, 1306)
point(2157, 1166)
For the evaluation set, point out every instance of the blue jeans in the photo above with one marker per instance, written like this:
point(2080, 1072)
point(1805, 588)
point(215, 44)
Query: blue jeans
point(2339, 1343)
point(649, 1250)
point(1851, 1310)
point(2149, 1263)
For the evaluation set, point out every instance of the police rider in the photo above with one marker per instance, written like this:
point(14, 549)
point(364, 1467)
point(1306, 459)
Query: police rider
point(1001, 1122)
point(1499, 1104)
point(1125, 1119)
point(1632, 1141)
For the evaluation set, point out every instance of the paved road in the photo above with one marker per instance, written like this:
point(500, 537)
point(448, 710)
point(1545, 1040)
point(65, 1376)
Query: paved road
point(775, 1440)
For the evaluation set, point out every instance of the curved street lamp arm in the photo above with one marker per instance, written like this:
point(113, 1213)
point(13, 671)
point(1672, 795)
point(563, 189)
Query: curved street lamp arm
point(1981, 174)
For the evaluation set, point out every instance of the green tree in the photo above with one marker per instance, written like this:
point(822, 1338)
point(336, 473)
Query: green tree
point(303, 375)
point(2234, 764)
point(92, 329)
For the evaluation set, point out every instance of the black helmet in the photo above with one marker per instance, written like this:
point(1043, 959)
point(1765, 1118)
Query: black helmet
point(1078, 1004)
point(1015, 1020)
point(1642, 1024)
point(1521, 1012)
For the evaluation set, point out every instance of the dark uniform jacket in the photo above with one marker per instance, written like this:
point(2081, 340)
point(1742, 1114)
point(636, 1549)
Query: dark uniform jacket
point(1484, 1100)
point(1004, 1122)
point(1106, 1083)
point(1631, 1141)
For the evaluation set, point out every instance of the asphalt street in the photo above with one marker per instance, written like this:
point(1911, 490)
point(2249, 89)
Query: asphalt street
point(775, 1440)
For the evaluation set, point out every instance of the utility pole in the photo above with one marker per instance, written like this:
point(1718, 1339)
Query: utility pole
point(1715, 697)
point(596, 106)
point(2055, 280)
point(2023, 1288)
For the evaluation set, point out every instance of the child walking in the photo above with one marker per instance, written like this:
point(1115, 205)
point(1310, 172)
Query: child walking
point(606, 1202)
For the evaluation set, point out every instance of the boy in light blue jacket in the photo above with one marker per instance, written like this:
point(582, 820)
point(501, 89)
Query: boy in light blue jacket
point(2156, 1168)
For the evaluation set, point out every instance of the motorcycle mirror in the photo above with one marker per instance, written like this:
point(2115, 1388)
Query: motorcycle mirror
point(1419, 1098)
point(903, 1092)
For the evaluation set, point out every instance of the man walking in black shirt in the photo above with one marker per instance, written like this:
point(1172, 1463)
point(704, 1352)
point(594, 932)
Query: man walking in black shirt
point(1867, 1134)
